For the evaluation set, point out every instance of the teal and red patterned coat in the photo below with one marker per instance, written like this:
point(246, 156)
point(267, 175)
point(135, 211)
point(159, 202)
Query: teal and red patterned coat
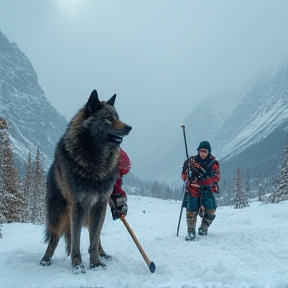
point(201, 172)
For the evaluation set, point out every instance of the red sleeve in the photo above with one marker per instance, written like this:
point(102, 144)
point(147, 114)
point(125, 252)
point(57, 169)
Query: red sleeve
point(117, 190)
point(216, 176)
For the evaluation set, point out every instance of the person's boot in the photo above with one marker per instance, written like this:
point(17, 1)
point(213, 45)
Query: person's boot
point(203, 229)
point(190, 236)
point(209, 216)
point(191, 218)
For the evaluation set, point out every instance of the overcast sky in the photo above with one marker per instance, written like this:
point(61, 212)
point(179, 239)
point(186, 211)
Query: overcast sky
point(161, 57)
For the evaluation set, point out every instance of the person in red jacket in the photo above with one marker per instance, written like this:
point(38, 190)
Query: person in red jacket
point(118, 198)
point(202, 175)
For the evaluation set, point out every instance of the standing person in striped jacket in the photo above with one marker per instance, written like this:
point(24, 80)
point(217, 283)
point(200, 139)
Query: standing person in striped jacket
point(202, 175)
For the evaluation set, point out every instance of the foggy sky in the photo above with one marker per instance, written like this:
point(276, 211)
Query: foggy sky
point(160, 57)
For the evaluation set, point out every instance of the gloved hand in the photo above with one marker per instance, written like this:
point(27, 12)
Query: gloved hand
point(214, 188)
point(194, 164)
point(194, 173)
point(118, 205)
point(207, 173)
point(196, 170)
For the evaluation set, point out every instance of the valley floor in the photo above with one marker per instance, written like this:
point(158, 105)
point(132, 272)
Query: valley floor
point(244, 248)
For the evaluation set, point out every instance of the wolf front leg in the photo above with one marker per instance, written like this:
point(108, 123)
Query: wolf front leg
point(77, 213)
point(97, 217)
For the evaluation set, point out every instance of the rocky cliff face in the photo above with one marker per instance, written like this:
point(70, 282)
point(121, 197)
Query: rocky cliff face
point(32, 120)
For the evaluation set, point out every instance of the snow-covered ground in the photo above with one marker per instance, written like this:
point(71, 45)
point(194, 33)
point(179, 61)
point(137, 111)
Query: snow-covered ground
point(244, 248)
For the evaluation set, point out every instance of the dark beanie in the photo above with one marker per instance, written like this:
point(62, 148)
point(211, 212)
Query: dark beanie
point(204, 145)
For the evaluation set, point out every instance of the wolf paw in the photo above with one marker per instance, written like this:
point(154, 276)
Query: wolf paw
point(78, 269)
point(98, 263)
point(105, 257)
point(46, 262)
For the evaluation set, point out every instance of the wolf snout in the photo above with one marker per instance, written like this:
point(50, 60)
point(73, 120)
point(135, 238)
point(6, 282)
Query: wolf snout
point(128, 127)
point(116, 136)
point(125, 130)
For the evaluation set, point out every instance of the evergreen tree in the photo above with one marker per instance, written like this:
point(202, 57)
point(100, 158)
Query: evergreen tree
point(1, 177)
point(155, 189)
point(225, 197)
point(168, 193)
point(248, 181)
point(281, 189)
point(28, 197)
point(260, 192)
point(2, 220)
point(12, 202)
point(2, 130)
point(38, 190)
point(230, 194)
point(240, 199)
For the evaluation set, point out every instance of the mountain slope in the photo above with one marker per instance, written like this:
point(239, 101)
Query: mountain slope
point(263, 109)
point(235, 123)
point(33, 121)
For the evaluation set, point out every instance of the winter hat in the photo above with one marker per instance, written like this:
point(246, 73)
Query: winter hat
point(204, 145)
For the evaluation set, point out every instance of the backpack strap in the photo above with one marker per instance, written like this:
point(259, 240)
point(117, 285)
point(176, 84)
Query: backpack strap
point(211, 163)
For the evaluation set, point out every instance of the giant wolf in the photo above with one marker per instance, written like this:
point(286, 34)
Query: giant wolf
point(81, 179)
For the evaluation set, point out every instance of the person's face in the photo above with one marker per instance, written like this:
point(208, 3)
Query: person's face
point(203, 153)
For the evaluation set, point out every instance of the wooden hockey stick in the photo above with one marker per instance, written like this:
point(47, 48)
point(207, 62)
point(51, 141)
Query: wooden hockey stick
point(150, 264)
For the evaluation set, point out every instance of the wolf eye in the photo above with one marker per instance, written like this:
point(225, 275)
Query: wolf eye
point(109, 118)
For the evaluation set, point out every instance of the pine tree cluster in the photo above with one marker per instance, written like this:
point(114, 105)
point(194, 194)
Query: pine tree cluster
point(281, 191)
point(237, 193)
point(135, 186)
point(21, 200)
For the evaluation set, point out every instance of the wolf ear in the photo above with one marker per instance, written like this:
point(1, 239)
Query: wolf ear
point(111, 101)
point(93, 103)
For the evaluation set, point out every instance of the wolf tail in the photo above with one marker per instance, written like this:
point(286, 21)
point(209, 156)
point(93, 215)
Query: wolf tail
point(67, 237)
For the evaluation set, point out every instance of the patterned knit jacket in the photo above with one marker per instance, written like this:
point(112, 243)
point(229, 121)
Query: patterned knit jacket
point(207, 175)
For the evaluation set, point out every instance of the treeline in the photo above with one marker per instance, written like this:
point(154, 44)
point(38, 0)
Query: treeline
point(21, 199)
point(253, 188)
point(234, 191)
point(241, 187)
point(135, 186)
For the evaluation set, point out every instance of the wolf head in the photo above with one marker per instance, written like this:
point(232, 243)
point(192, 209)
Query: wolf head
point(102, 120)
